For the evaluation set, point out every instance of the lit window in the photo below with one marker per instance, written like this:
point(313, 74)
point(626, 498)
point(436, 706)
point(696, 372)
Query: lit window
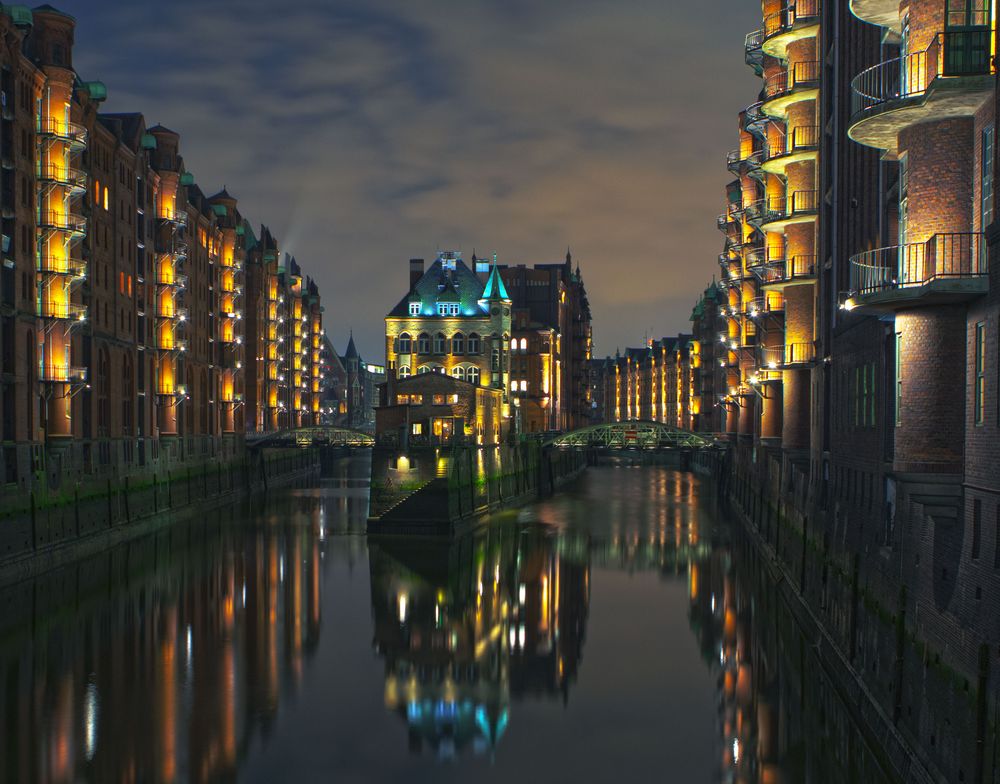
point(472, 376)
point(458, 372)
point(513, 344)
point(415, 311)
point(402, 400)
point(439, 400)
point(418, 428)
point(404, 343)
point(105, 197)
point(404, 371)
point(524, 344)
point(417, 400)
point(453, 398)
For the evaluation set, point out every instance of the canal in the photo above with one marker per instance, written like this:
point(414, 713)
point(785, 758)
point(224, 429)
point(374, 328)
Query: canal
point(622, 630)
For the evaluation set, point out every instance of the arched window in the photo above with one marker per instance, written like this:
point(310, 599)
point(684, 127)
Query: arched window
point(524, 344)
point(458, 343)
point(404, 371)
point(473, 344)
point(513, 344)
point(424, 343)
point(423, 369)
point(439, 343)
point(458, 372)
point(472, 375)
point(404, 343)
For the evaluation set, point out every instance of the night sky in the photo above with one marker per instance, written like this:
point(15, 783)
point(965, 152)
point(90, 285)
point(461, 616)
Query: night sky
point(364, 132)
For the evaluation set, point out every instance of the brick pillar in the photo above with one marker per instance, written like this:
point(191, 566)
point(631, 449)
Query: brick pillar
point(770, 417)
point(795, 420)
point(929, 435)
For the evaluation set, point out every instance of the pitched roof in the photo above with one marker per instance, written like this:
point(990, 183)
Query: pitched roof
point(438, 280)
point(494, 286)
point(352, 350)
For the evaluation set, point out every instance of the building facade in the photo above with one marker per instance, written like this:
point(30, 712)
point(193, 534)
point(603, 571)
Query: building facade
point(124, 311)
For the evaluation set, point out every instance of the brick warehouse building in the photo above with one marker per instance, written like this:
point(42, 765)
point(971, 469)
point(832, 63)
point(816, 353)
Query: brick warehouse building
point(857, 355)
point(123, 301)
point(858, 363)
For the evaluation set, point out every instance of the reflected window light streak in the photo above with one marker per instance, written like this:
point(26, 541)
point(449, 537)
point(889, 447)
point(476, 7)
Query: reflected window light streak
point(736, 751)
point(401, 606)
point(91, 714)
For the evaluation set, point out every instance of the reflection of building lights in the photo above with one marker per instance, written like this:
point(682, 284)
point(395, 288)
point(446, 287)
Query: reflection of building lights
point(736, 751)
point(521, 593)
point(401, 602)
point(91, 712)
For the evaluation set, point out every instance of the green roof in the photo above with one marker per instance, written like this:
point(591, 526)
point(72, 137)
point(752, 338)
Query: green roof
point(442, 275)
point(494, 286)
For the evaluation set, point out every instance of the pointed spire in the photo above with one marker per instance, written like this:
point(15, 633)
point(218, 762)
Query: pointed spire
point(495, 288)
point(352, 350)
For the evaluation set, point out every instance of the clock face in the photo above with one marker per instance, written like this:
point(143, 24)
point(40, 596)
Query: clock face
point(506, 311)
point(495, 311)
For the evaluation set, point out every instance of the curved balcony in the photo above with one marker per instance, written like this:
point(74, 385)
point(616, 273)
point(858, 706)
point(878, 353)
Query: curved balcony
point(172, 345)
point(177, 219)
point(777, 212)
point(75, 269)
point(177, 314)
point(71, 133)
point(802, 144)
point(176, 282)
point(64, 176)
point(783, 88)
point(759, 307)
point(61, 374)
point(753, 53)
point(779, 272)
point(797, 354)
point(947, 268)
point(755, 120)
point(951, 78)
point(792, 23)
point(67, 222)
point(884, 13)
point(66, 311)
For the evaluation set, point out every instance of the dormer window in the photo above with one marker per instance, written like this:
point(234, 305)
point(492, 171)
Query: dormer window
point(447, 308)
point(414, 308)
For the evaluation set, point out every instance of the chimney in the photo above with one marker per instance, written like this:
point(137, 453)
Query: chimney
point(416, 271)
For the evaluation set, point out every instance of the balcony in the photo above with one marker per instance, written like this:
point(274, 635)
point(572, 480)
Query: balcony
point(799, 83)
point(62, 374)
point(753, 52)
point(800, 145)
point(951, 78)
point(176, 219)
point(798, 354)
point(796, 21)
point(176, 281)
point(777, 212)
point(75, 269)
point(172, 345)
point(755, 120)
point(759, 307)
point(71, 133)
point(780, 272)
point(884, 13)
point(63, 176)
point(947, 268)
point(74, 225)
point(68, 311)
point(176, 314)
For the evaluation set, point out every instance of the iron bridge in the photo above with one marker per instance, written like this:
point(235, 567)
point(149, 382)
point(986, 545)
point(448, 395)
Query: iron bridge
point(312, 436)
point(636, 434)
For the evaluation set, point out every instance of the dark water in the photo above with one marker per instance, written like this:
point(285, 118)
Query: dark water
point(621, 631)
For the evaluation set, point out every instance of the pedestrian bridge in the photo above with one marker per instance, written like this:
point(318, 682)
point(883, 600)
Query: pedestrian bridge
point(312, 436)
point(636, 434)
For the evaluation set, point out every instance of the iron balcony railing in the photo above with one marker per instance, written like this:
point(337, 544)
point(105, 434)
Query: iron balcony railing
point(780, 270)
point(754, 119)
point(62, 310)
point(71, 132)
point(799, 353)
point(801, 139)
point(62, 221)
point(951, 54)
point(780, 21)
point(770, 357)
point(66, 176)
point(73, 268)
point(942, 257)
point(753, 42)
point(760, 306)
point(802, 74)
point(177, 281)
point(176, 218)
point(61, 373)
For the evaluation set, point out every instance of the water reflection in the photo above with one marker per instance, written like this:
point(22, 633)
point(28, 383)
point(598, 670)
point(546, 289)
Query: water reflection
point(240, 646)
point(464, 626)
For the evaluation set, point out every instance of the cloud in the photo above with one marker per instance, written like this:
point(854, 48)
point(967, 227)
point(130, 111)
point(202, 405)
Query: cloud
point(364, 132)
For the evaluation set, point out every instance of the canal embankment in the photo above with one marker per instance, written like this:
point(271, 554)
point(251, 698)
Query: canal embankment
point(46, 529)
point(440, 492)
